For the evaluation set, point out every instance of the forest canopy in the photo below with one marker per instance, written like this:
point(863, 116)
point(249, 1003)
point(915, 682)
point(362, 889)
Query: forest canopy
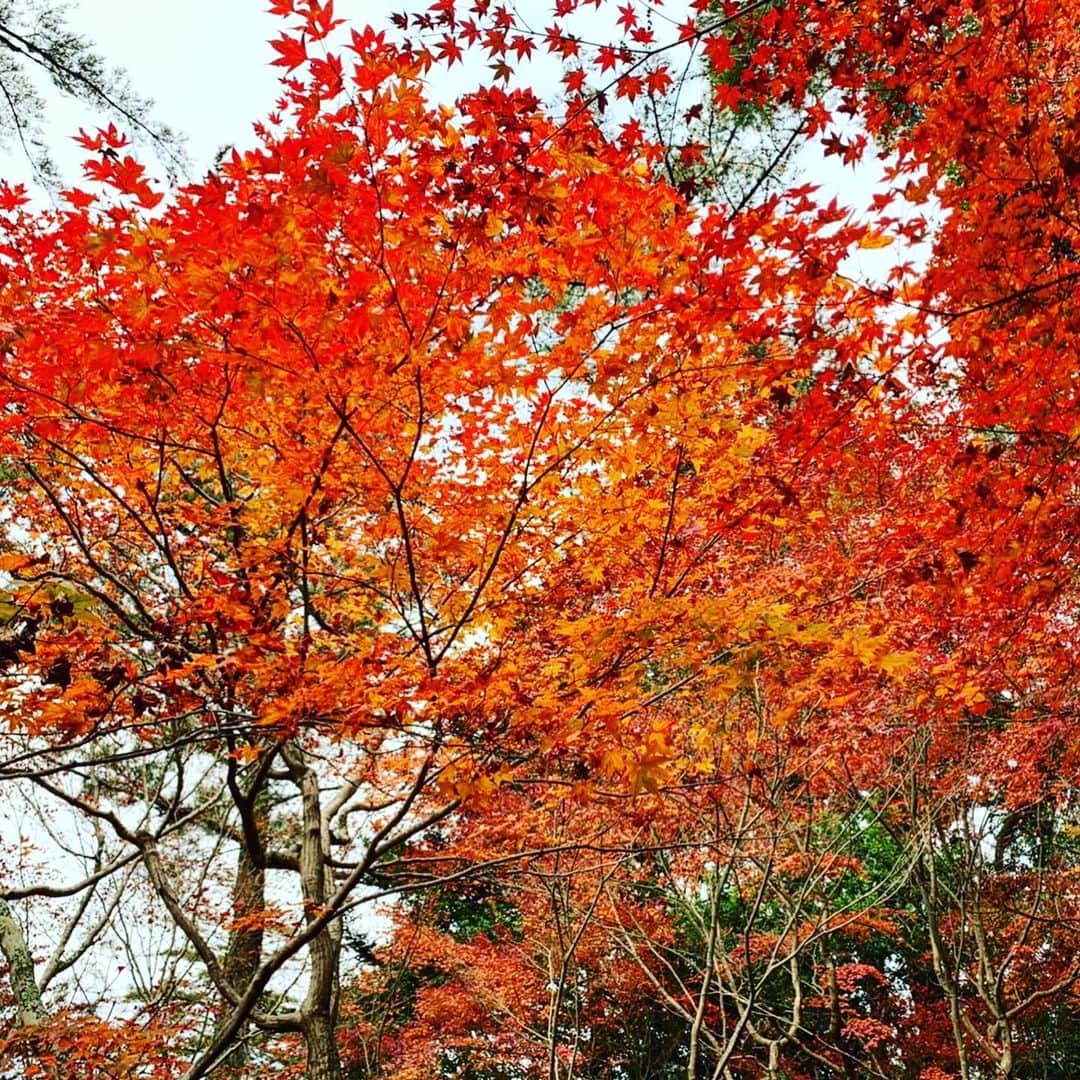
point(494, 591)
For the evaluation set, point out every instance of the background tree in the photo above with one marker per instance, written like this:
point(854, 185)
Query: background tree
point(37, 45)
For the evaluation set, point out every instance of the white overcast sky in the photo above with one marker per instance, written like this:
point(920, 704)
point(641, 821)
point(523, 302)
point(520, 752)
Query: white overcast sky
point(206, 64)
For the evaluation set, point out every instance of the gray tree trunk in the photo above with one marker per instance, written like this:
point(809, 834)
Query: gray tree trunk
point(320, 1006)
point(29, 1011)
point(323, 1062)
point(245, 946)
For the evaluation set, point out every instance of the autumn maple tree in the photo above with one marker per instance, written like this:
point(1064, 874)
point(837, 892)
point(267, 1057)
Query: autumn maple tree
point(490, 590)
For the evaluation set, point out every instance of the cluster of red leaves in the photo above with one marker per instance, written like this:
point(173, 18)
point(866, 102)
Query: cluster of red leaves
point(84, 1047)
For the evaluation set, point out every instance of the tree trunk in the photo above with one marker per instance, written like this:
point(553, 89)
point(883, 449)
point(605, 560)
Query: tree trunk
point(323, 1062)
point(245, 947)
point(29, 1011)
point(319, 1009)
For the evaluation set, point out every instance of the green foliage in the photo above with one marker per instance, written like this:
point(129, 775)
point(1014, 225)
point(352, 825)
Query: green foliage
point(476, 910)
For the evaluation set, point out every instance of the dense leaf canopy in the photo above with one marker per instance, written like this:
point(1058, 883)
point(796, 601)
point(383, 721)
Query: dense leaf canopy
point(513, 597)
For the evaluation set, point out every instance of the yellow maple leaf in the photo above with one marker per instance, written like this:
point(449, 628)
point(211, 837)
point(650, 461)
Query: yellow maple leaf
point(875, 240)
